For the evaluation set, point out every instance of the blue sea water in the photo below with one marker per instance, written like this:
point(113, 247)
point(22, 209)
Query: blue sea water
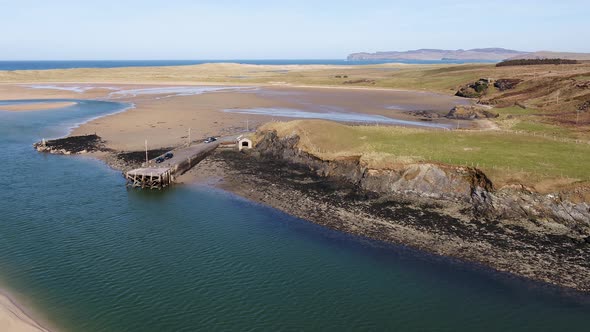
point(87, 254)
point(43, 65)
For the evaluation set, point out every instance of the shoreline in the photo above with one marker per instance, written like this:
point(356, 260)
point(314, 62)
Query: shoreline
point(217, 185)
point(16, 318)
point(428, 227)
point(422, 225)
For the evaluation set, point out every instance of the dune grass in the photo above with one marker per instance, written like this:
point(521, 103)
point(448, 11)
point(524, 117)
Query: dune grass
point(506, 157)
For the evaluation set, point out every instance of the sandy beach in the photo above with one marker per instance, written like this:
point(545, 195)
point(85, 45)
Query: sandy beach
point(14, 319)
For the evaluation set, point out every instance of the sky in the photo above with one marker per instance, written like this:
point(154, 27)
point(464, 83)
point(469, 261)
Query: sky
point(281, 29)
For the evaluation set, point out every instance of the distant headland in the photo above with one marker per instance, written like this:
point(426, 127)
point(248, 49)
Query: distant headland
point(476, 54)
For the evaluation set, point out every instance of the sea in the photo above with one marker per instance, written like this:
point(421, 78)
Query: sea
point(44, 65)
point(82, 252)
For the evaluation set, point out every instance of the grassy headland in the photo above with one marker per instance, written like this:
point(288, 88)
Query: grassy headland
point(539, 162)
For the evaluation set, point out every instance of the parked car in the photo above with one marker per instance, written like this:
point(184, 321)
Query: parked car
point(210, 139)
point(168, 155)
point(159, 160)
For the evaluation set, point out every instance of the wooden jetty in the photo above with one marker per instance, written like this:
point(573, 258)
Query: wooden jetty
point(149, 178)
point(161, 175)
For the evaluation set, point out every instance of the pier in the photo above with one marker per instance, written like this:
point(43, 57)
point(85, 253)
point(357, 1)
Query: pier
point(149, 178)
point(161, 175)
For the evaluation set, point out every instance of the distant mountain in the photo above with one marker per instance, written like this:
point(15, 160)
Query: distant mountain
point(553, 55)
point(490, 54)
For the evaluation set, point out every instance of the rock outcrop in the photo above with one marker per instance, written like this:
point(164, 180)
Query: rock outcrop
point(72, 145)
point(507, 83)
point(425, 114)
point(470, 113)
point(476, 89)
point(467, 187)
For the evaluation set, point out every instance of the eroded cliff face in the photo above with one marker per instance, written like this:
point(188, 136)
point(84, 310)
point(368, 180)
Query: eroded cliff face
point(468, 188)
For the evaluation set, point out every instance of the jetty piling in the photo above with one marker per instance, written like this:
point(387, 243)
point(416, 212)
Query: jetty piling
point(149, 178)
point(155, 175)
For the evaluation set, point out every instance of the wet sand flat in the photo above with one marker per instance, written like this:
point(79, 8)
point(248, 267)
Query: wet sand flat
point(164, 113)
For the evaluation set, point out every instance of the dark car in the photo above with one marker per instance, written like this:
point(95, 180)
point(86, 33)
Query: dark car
point(168, 155)
point(210, 139)
point(159, 160)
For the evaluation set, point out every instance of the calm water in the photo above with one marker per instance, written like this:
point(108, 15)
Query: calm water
point(91, 255)
point(42, 65)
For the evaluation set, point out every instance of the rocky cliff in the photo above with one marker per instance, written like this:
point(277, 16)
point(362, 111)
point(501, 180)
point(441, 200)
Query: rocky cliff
point(465, 188)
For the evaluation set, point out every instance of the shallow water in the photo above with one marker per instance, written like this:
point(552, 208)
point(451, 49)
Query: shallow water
point(174, 91)
point(160, 92)
point(93, 256)
point(335, 116)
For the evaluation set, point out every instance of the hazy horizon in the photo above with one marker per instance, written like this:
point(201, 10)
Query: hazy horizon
point(263, 29)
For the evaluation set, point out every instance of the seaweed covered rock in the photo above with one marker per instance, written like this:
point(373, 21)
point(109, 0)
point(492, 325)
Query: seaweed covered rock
point(72, 145)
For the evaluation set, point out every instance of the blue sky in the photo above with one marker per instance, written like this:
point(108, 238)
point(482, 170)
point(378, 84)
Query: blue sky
point(263, 29)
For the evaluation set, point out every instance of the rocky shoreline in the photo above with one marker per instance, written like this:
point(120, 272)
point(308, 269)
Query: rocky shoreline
point(451, 228)
point(72, 145)
point(464, 217)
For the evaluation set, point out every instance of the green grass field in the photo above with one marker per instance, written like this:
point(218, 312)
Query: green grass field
point(542, 128)
point(515, 111)
point(506, 157)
